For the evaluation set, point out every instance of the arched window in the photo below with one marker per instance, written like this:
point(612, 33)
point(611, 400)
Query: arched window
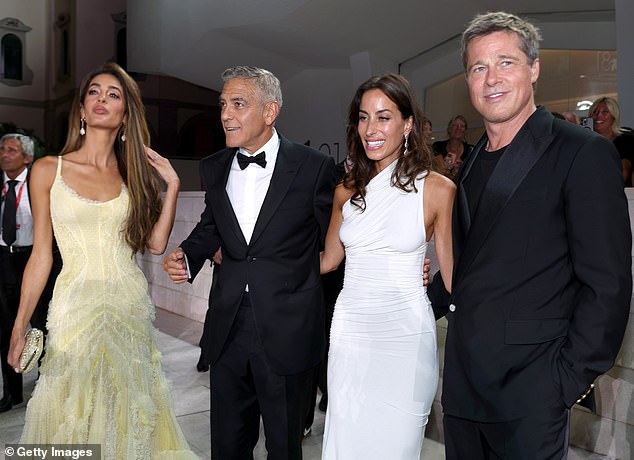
point(14, 70)
point(12, 57)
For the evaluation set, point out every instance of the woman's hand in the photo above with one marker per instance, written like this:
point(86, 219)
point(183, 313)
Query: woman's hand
point(15, 349)
point(163, 167)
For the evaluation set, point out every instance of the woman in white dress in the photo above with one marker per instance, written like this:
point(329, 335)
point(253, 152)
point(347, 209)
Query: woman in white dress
point(382, 364)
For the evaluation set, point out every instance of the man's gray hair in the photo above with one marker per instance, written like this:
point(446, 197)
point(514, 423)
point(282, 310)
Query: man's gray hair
point(267, 83)
point(500, 21)
point(28, 147)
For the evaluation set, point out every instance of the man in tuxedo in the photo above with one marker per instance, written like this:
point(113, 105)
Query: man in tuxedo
point(267, 203)
point(542, 244)
point(16, 241)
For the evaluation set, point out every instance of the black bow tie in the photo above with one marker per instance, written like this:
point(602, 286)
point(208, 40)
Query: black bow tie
point(245, 160)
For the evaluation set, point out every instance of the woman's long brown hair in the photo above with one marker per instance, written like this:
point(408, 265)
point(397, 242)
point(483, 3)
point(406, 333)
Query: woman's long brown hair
point(408, 167)
point(142, 182)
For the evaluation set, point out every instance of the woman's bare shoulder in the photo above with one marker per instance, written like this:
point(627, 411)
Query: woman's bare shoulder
point(44, 170)
point(44, 167)
point(440, 182)
point(342, 194)
point(439, 188)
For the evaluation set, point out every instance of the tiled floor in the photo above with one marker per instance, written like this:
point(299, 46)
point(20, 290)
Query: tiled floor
point(177, 339)
point(198, 436)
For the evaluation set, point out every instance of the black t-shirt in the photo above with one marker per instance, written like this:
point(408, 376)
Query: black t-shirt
point(479, 175)
point(624, 143)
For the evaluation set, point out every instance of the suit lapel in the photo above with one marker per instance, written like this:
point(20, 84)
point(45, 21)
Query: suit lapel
point(225, 209)
point(462, 201)
point(286, 167)
point(523, 152)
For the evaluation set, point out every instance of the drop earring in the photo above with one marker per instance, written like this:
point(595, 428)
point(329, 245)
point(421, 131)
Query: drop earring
point(123, 138)
point(82, 126)
point(406, 145)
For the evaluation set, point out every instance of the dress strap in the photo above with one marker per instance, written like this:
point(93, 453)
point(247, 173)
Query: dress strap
point(59, 166)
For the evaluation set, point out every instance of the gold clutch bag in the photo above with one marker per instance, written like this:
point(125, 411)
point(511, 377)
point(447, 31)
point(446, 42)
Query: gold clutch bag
point(32, 350)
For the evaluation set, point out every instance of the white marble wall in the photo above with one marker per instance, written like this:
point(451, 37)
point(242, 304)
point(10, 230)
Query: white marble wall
point(609, 433)
point(189, 300)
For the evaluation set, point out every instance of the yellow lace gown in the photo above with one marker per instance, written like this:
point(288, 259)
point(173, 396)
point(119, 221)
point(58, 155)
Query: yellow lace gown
point(101, 380)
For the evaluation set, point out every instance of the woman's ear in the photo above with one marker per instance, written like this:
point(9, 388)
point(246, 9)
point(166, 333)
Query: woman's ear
point(408, 126)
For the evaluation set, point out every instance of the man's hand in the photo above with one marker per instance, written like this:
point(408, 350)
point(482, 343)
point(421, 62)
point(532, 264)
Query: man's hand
point(218, 257)
point(175, 266)
point(426, 268)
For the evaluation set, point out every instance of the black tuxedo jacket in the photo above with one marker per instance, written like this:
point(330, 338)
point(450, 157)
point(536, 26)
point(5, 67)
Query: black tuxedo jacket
point(281, 262)
point(542, 277)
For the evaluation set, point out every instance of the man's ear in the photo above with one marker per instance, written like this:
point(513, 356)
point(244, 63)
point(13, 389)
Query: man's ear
point(271, 111)
point(535, 71)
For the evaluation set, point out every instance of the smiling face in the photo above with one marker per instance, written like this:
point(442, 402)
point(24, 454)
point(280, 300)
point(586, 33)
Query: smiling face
point(246, 119)
point(104, 105)
point(500, 80)
point(382, 128)
point(603, 120)
point(457, 129)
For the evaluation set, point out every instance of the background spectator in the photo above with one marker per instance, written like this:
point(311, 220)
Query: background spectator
point(606, 118)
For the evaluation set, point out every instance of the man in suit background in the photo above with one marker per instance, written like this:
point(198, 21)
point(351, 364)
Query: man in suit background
point(267, 203)
point(16, 241)
point(542, 279)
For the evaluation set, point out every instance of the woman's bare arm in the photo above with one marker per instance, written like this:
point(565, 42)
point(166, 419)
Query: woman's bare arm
point(438, 204)
point(334, 251)
point(38, 267)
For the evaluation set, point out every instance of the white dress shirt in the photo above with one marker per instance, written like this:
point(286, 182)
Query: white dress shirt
point(247, 187)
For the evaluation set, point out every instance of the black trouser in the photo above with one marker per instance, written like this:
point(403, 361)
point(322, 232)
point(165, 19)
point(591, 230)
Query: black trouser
point(321, 375)
point(539, 436)
point(243, 388)
point(12, 266)
point(204, 339)
point(11, 270)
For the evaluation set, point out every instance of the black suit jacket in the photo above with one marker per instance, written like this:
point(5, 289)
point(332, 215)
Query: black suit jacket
point(281, 262)
point(9, 276)
point(12, 270)
point(542, 279)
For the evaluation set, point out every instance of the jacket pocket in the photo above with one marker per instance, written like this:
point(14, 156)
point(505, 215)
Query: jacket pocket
point(530, 331)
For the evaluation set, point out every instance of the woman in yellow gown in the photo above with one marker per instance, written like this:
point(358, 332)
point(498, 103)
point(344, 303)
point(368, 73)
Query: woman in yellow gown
point(101, 380)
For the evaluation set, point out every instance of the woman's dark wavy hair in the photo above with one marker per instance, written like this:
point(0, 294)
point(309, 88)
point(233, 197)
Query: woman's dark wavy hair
point(408, 167)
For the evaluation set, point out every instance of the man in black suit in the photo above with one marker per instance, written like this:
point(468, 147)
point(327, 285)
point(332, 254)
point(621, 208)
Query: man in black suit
point(267, 203)
point(542, 279)
point(16, 241)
